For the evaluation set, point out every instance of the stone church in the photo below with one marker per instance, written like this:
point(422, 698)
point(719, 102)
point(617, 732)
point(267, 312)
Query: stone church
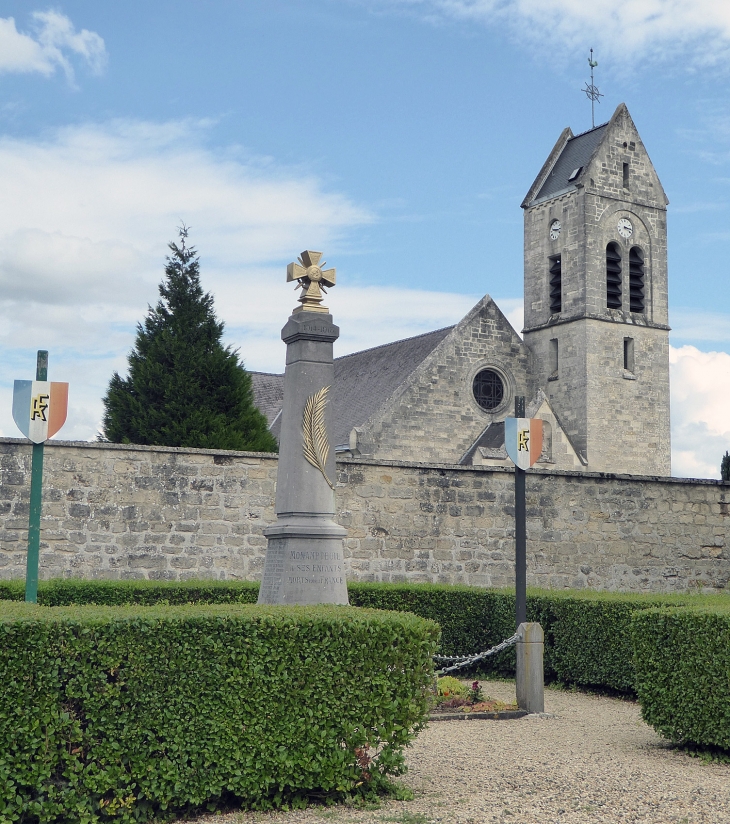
point(593, 360)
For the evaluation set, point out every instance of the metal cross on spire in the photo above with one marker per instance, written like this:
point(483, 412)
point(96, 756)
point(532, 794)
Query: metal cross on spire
point(592, 90)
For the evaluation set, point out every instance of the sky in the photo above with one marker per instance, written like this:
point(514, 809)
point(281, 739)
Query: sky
point(397, 136)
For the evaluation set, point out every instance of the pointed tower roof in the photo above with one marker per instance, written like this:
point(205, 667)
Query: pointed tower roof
point(567, 164)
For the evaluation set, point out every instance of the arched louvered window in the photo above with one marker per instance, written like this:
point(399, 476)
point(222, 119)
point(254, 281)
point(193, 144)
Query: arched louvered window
point(613, 276)
point(636, 279)
point(556, 284)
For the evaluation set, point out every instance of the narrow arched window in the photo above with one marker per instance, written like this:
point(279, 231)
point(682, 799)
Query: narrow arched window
point(613, 276)
point(636, 279)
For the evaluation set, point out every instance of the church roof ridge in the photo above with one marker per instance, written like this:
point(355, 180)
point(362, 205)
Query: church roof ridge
point(395, 342)
point(588, 131)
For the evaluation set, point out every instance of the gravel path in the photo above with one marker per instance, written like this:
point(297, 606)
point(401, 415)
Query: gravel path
point(590, 760)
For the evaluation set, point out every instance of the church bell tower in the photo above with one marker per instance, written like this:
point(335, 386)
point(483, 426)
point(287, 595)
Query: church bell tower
point(596, 296)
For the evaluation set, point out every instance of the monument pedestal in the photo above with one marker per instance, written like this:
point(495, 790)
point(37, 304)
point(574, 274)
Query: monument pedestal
point(304, 563)
point(304, 558)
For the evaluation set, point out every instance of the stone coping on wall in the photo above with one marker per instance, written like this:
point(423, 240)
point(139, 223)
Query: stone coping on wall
point(565, 473)
point(131, 447)
point(607, 476)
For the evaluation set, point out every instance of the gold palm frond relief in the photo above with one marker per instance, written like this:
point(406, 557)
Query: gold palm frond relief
point(314, 431)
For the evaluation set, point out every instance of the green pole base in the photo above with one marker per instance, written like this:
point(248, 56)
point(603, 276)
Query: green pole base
point(34, 524)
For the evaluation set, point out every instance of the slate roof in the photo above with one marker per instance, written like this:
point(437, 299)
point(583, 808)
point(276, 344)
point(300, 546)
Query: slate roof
point(491, 438)
point(363, 382)
point(575, 155)
point(268, 393)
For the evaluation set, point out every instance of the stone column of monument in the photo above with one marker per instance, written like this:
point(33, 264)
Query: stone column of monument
point(304, 559)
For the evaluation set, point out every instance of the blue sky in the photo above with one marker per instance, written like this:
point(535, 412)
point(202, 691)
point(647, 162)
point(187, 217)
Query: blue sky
point(399, 136)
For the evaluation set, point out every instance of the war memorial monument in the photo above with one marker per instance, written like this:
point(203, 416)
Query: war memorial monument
point(304, 558)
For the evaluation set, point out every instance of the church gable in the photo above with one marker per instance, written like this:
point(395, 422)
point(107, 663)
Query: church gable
point(434, 415)
point(363, 382)
point(558, 450)
point(620, 166)
point(608, 160)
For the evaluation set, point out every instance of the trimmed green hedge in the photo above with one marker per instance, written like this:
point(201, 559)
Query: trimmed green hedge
point(59, 592)
point(120, 712)
point(682, 663)
point(587, 633)
point(590, 637)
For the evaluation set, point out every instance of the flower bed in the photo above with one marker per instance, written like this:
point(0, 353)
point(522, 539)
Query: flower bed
point(454, 696)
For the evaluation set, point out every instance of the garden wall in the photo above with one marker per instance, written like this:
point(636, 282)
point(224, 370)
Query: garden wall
point(120, 511)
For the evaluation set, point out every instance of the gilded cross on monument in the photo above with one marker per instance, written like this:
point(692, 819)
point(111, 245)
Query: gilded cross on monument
point(312, 279)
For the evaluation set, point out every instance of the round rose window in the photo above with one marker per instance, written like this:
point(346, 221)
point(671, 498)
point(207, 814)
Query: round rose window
point(488, 389)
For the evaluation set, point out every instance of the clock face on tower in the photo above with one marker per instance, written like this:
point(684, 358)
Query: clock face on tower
point(625, 229)
point(555, 230)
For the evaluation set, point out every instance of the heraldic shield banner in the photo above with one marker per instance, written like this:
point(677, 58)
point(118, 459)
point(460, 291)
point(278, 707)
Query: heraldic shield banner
point(523, 440)
point(39, 408)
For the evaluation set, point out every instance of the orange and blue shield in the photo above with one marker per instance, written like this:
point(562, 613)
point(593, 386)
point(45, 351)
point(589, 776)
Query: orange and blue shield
point(523, 440)
point(39, 408)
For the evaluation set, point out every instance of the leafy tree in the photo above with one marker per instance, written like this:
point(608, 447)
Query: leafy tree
point(725, 467)
point(184, 387)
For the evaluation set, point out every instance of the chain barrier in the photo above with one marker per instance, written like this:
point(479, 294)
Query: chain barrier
point(465, 660)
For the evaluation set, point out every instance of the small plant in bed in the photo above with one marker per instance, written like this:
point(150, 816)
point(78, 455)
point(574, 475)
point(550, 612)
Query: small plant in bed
point(453, 696)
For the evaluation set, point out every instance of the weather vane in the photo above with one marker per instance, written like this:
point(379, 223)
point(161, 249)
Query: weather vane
point(592, 91)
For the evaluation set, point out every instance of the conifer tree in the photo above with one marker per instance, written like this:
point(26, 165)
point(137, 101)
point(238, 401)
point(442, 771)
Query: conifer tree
point(725, 467)
point(184, 387)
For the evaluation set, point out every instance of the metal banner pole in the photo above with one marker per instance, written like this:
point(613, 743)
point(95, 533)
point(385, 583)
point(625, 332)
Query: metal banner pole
point(520, 533)
point(36, 499)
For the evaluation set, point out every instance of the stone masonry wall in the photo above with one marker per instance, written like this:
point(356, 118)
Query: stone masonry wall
point(115, 511)
point(112, 511)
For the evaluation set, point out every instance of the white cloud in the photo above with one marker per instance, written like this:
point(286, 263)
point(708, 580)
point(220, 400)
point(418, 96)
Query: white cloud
point(85, 218)
point(636, 28)
point(700, 385)
point(52, 41)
